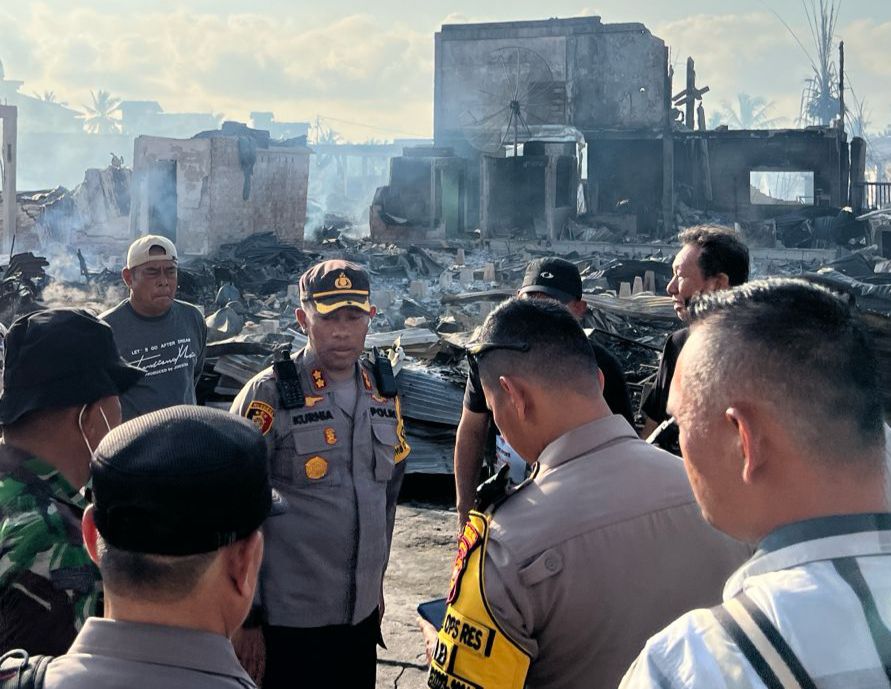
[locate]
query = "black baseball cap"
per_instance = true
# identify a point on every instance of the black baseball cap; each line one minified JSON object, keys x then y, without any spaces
{"x":556,"y":277}
{"x":335,"y":284}
{"x":59,"y":358}
{"x":182,"y":481}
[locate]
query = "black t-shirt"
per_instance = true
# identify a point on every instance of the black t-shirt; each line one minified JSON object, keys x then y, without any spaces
{"x":615,"y":389}
{"x":654,"y":406}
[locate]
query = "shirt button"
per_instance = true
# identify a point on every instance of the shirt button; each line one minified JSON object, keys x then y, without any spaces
{"x":552,"y":564}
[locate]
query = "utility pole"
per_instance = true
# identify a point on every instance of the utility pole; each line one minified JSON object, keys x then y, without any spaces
{"x":841,"y":84}
{"x":9,"y":122}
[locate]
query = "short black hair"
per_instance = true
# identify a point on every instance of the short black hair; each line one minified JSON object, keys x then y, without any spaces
{"x":151,"y":578}
{"x":559,"y":352}
{"x":801,"y":348}
{"x":722,"y":251}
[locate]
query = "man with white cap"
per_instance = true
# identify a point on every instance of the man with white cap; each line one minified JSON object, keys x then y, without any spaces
{"x":156,"y":332}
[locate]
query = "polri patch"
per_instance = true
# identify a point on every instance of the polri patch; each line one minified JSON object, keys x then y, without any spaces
{"x":330,"y":436}
{"x":261,"y":414}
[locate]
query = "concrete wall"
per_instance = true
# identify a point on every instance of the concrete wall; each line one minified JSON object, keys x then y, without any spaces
{"x":598,"y":68}
{"x":733,"y":154}
{"x":279,"y":190}
{"x":210,"y":207}
{"x":193,"y":169}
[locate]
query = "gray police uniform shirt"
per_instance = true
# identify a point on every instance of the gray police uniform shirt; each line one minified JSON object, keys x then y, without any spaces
{"x":340,"y":471}
{"x":602,"y":547}
{"x":170,"y":348}
{"x":113,"y":654}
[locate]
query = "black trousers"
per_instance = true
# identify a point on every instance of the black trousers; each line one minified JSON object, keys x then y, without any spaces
{"x":336,"y":656}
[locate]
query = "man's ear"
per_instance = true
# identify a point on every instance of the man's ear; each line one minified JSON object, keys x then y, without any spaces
{"x":373,"y":312}
{"x":301,"y":317}
{"x":751,"y":447}
{"x":720,"y":281}
{"x":127,"y":276}
{"x":517,"y":395}
{"x":577,"y":308}
{"x":244,"y":561}
{"x":90,"y":533}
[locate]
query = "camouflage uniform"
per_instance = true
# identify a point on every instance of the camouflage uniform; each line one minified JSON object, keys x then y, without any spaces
{"x":48,"y":584}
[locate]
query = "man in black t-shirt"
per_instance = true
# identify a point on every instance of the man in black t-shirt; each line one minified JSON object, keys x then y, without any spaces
{"x":711,"y":258}
{"x":548,"y":278}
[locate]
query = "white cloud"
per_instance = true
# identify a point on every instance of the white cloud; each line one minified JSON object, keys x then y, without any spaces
{"x":353,"y":68}
{"x":753,"y":53}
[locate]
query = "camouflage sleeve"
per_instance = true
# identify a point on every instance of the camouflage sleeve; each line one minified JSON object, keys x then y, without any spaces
{"x":48,"y":585}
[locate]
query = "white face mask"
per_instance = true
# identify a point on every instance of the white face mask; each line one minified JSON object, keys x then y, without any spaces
{"x":80,"y":425}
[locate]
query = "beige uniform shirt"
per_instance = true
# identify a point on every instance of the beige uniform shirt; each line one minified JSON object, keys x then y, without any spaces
{"x":340,"y":471}
{"x":109,"y":654}
{"x":601,"y":548}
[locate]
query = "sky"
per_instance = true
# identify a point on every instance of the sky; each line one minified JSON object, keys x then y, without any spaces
{"x":366,"y":68}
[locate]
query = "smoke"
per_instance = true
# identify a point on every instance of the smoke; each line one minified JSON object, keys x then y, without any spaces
{"x":95,"y":298}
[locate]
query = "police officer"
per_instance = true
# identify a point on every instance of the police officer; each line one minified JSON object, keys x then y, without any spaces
{"x":61,"y":383}
{"x":179,"y":496}
{"x":559,"y":583}
{"x":337,"y":448}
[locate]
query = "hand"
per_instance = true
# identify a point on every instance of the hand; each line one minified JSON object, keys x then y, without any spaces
{"x":250,"y":648}
{"x":429,"y":632}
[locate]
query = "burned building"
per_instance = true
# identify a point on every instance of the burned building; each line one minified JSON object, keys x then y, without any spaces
{"x":219,"y":187}
{"x":565,"y":117}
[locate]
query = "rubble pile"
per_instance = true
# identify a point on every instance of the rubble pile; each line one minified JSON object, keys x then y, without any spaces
{"x":429,"y":301}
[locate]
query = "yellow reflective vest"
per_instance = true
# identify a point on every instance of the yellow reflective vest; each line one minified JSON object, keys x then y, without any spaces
{"x":472,"y":650}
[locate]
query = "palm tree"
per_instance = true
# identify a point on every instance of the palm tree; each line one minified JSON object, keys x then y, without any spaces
{"x":749,"y":112}
{"x":819,"y":100}
{"x":98,"y":117}
{"x":48,"y":97}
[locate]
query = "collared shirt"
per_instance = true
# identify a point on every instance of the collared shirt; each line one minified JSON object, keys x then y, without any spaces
{"x":604,"y":545}
{"x":800,"y":578}
{"x":48,"y":585}
{"x":340,"y":471}
{"x":113,"y":654}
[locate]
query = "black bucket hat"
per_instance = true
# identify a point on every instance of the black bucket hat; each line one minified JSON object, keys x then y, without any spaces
{"x":60,"y":358}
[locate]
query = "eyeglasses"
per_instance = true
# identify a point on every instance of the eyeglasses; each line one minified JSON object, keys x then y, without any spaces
{"x":477,"y":350}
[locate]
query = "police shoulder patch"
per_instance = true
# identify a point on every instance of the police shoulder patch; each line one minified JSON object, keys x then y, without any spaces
{"x":262,"y":415}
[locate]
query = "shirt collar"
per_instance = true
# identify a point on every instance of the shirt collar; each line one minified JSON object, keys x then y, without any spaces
{"x":160,"y":645}
{"x":585,"y":439}
{"x":811,"y":540}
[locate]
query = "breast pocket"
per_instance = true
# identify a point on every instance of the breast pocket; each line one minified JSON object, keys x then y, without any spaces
{"x":385,"y":441}
{"x":311,"y":460}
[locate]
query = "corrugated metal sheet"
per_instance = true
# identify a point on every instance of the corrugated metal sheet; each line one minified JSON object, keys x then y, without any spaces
{"x":431,"y":405}
{"x":428,"y":397}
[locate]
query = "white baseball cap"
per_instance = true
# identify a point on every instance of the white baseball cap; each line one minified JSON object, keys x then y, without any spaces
{"x":140,"y":250}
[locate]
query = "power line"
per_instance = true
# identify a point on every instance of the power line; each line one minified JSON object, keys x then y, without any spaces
{"x":369,"y":126}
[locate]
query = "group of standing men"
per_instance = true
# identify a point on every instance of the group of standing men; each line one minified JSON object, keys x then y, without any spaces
{"x":559,"y":581}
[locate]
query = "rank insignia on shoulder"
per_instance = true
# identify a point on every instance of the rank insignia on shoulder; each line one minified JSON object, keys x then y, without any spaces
{"x":318,"y":379}
{"x":316,"y":467}
{"x":312,"y":401}
{"x":261,"y":414}
{"x":366,"y":380}
{"x":330,"y":436}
